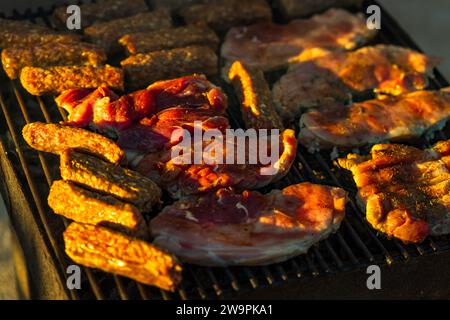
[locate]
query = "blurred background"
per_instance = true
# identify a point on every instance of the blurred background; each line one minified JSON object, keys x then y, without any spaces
{"x":427,"y":22}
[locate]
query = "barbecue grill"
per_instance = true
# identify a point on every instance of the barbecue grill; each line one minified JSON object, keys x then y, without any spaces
{"x":334,"y":268}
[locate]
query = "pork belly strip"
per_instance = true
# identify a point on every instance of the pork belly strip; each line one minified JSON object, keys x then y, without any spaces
{"x":101,"y":11}
{"x":51,"y":54}
{"x":295,"y":8}
{"x":84,"y":206}
{"x":170,"y":38}
{"x":144,"y":68}
{"x":111,"y":251}
{"x":222,"y":15}
{"x":124,"y":184}
{"x":336,"y":76}
{"x":271,"y":46}
{"x":107,"y":34}
{"x":257,"y":108}
{"x":39,"y":81}
{"x":226,"y":228}
{"x":55,"y":138}
{"x":405,"y":191}
{"x":394,"y":118}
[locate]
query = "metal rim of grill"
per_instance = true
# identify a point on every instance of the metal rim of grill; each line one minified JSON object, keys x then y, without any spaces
{"x":354,"y":246}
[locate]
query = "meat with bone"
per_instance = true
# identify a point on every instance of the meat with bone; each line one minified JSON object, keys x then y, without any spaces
{"x":270,"y":46}
{"x":209,"y":173}
{"x":111,"y":251}
{"x":124,"y":184}
{"x":107,"y":34}
{"x":170,"y":38}
{"x":84,"y":206}
{"x":336,"y":76}
{"x":405,"y":191}
{"x":144,"y":68}
{"x":224,"y":14}
{"x":40,"y":81}
{"x":50,"y":54}
{"x":394,"y":118}
{"x":257,"y":108}
{"x":295,"y":8}
{"x":55,"y":138}
{"x":226,"y":228}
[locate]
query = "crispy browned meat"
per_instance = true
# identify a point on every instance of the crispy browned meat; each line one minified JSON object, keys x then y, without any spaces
{"x":85,"y":206}
{"x":107,"y":34}
{"x":145,"y":68}
{"x":107,"y":178}
{"x":101,"y":11}
{"x":405,"y":191}
{"x":108,"y":250}
{"x":40,"y":81}
{"x":254,"y":94}
{"x":55,"y":138}
{"x":171,"y":38}
{"x":296,"y":8}
{"x":394,"y":118}
{"x":222,"y":15}
{"x":51,"y":54}
{"x":174,"y":5}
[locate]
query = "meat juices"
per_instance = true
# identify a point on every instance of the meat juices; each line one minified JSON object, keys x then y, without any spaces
{"x":226,"y":228}
{"x":111,"y":251}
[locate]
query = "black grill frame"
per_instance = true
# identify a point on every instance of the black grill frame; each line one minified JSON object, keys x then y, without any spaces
{"x":327,"y":270}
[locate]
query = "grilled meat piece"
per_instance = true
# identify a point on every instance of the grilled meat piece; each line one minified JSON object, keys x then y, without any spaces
{"x":108,"y":250}
{"x":226,"y":228}
{"x":55,"y":138}
{"x":50,"y":54}
{"x":295,"y":8}
{"x":144,"y":68}
{"x":222,"y":15}
{"x":175,"y":5}
{"x":171,"y":38}
{"x":39,"y":81}
{"x":99,"y":12}
{"x":103,"y":110}
{"x":124,"y":184}
{"x":107,"y":34}
{"x":336,"y":76}
{"x":394,"y":118}
{"x":405,"y":191}
{"x":180,"y":178}
{"x":85,"y":206}
{"x":270,"y":46}
{"x":257,"y":108}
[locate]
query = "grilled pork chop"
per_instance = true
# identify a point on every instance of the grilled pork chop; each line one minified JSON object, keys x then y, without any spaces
{"x":336,"y":76}
{"x":270,"y":46}
{"x":405,"y":191}
{"x":248,"y":228}
{"x":394,"y":118}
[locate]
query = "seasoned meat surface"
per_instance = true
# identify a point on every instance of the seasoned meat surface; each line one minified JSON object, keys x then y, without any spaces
{"x":296,"y":8}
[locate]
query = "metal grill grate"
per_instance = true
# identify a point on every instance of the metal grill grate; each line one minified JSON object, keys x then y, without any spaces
{"x":354,"y":246}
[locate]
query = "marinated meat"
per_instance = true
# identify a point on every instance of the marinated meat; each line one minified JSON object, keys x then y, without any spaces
{"x":394,"y":118}
{"x":181,"y":178}
{"x":405,"y":191}
{"x":257,"y":108}
{"x":85,"y":206}
{"x":335,"y":77}
{"x":108,"y":250}
{"x":226,"y":228}
{"x":171,"y":38}
{"x":222,"y":15}
{"x":55,"y":138}
{"x":40,"y":81}
{"x":103,"y":11}
{"x":50,"y":54}
{"x":295,"y":8}
{"x":143,"y":69}
{"x":107,"y":34}
{"x":270,"y":46}
{"x":124,"y":184}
